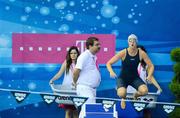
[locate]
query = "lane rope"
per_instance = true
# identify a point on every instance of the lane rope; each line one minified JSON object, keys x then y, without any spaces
{"x":100,"y":98}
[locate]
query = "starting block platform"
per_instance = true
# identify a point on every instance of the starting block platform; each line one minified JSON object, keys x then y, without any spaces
{"x":149,"y":98}
{"x":65,"y":92}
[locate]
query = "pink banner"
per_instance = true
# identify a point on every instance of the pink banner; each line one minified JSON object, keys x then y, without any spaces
{"x":52,"y":48}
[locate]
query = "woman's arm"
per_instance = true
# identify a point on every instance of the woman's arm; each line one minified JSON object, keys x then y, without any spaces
{"x":113,"y":60}
{"x":149,"y":64}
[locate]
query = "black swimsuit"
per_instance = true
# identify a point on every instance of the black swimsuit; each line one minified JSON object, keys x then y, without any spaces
{"x":129,"y":74}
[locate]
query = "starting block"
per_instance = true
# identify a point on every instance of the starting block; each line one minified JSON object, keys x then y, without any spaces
{"x":150,"y":97}
{"x":97,"y":110}
{"x":65,"y":92}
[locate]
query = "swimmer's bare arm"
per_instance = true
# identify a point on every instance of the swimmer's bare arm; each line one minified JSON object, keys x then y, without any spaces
{"x":149,"y":64}
{"x":119,"y":56}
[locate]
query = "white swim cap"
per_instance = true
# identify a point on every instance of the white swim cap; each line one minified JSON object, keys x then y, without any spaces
{"x":133,"y":36}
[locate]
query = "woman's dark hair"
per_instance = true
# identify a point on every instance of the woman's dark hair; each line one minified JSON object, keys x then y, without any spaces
{"x":142,"y":61}
{"x":68,"y":57}
{"x":90,"y":41}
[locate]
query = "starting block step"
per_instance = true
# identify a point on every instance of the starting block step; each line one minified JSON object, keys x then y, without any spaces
{"x":99,"y":116}
{"x":98,"y":110}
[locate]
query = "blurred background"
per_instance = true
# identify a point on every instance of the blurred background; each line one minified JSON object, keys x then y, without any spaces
{"x":155,"y":22}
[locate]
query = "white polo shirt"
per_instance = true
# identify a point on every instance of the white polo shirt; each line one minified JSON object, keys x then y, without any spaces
{"x":89,"y":74}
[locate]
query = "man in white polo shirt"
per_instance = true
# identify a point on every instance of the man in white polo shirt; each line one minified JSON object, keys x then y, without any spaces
{"x":86,"y":73}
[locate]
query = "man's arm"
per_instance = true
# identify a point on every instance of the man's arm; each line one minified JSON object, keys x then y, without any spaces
{"x":76,"y":75}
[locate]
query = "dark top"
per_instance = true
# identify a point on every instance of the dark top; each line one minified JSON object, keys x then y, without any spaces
{"x":129,"y":67}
